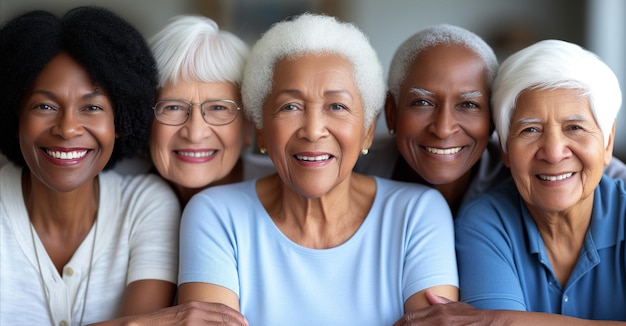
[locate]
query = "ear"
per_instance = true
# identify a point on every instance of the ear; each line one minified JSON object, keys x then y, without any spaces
{"x":259,"y":138}
{"x":505,"y":156}
{"x":248,"y":132}
{"x":369,"y":134}
{"x":608,"y":150}
{"x":390,"y":111}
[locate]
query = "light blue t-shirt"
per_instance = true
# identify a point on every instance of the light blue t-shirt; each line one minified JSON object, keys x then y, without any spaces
{"x":404,"y":245}
{"x":503,"y":263}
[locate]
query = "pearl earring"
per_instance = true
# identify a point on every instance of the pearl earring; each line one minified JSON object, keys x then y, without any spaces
{"x":364,"y":151}
{"x":263,"y":150}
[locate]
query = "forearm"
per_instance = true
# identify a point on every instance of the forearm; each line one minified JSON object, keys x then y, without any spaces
{"x":508,"y":317}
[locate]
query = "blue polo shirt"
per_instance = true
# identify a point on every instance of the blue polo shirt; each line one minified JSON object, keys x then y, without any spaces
{"x":503,"y":263}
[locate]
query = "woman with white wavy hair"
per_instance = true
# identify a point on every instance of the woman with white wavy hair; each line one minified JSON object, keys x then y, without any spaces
{"x":316,"y":243}
{"x":547,"y":247}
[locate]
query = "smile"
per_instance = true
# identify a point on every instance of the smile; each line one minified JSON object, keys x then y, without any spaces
{"x":313,"y":158}
{"x":443,"y":151}
{"x":555,"y":177}
{"x":195,"y":154}
{"x":67,"y":155}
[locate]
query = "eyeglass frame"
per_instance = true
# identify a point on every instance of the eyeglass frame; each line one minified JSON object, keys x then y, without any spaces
{"x":190,"y":106}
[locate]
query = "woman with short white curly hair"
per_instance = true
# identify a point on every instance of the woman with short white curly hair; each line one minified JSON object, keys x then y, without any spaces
{"x":316,"y":243}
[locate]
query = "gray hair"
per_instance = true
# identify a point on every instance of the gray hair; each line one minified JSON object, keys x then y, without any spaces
{"x":433,"y":36}
{"x":311,"y":33}
{"x":192,"y":48}
{"x":552,"y":64}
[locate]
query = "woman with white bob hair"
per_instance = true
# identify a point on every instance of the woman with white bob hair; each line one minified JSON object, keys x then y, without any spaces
{"x":548,"y":246}
{"x":316,"y":243}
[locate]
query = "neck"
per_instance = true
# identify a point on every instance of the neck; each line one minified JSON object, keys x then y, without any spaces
{"x":184,"y":194}
{"x":323,"y":222}
{"x":452,"y":192}
{"x":60,"y":212}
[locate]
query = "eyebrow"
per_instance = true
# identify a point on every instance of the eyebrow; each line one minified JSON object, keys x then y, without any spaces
{"x":326,"y":93}
{"x":463,"y":96}
{"x":421,"y":91}
{"x":470,"y":95}
{"x":53,"y":96}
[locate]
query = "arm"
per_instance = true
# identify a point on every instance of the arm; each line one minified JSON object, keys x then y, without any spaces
{"x":420,"y":300}
{"x":146,"y":296}
{"x":446,"y":312}
{"x":207,"y":293}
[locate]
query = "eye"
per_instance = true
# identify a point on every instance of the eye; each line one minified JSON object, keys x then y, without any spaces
{"x":420,"y":102}
{"x":575,"y":127}
{"x":470,"y":105}
{"x":530,"y":130}
{"x":217,"y":108}
{"x":289,"y":107}
{"x":92,"y":108}
{"x":173,"y":107}
{"x":337,"y":107}
{"x":44,"y":107}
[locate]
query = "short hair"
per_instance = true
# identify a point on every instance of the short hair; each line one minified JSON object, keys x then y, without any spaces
{"x":433,"y":36}
{"x":553,"y":64}
{"x":192,"y":48}
{"x":319,"y":34}
{"x":114,"y":54}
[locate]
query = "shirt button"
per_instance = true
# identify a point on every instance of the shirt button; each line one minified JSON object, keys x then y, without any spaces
{"x":63,"y":323}
{"x":68,"y":271}
{"x":565,"y":298}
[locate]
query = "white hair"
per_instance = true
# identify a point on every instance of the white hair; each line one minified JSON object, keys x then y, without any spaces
{"x":552,"y":64}
{"x":433,"y":36}
{"x":311,"y":33}
{"x":192,"y":48}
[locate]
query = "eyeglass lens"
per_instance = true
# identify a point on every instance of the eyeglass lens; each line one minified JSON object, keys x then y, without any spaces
{"x":214,"y":112}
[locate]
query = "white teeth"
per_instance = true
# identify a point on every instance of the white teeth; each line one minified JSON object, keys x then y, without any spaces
{"x":196,"y":154}
{"x":555,"y":177}
{"x":441,"y":151}
{"x":313,"y":158}
{"x":66,"y":155}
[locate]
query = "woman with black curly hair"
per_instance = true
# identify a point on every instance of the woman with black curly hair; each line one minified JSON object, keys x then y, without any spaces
{"x":80,"y":244}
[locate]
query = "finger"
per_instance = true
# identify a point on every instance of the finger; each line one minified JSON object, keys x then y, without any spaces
{"x":436,"y":299}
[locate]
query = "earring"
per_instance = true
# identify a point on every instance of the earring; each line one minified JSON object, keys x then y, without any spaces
{"x":364,"y":151}
{"x":263,"y":150}
{"x":392,"y":132}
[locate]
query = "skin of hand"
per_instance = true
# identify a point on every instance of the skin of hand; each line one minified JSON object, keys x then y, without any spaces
{"x":443,"y":311}
{"x":446,"y":312}
{"x":189,"y":313}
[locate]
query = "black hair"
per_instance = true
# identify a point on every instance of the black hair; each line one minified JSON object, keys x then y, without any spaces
{"x":113,"y":52}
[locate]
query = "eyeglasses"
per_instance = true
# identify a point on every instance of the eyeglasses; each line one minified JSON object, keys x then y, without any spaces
{"x":214,"y":112}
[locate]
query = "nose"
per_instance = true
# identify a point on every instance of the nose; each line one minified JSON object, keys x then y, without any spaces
{"x":444,"y":123}
{"x":313,"y":125}
{"x":553,"y":146}
{"x":196,"y":129}
{"x":68,"y":124}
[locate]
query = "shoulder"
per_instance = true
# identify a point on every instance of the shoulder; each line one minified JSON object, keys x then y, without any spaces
{"x":501,"y":201}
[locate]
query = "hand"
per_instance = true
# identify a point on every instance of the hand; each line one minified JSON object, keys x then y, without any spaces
{"x":189,"y":313}
{"x":443,"y":312}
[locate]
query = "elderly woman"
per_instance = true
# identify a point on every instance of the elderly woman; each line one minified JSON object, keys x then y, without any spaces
{"x":316,"y":243}
{"x":199,"y":67}
{"x":552,"y":239}
{"x":438,"y":113}
{"x":80,"y":244}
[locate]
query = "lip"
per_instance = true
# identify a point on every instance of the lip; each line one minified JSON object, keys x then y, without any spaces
{"x":443,"y":153}
{"x":555,"y":178}
{"x":202,"y":155}
{"x":313,"y":159}
{"x":65,"y":156}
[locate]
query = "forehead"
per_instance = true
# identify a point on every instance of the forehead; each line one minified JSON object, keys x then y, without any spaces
{"x":450,"y":63}
{"x":560,"y":103}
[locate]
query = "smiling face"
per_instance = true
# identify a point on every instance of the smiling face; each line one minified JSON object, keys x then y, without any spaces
{"x":313,"y":123}
{"x":556,"y":150}
{"x":196,"y":154}
{"x":442,"y":116}
{"x":66,"y":126}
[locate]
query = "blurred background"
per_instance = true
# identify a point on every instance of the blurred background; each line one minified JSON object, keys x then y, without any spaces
{"x":507,"y":25}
